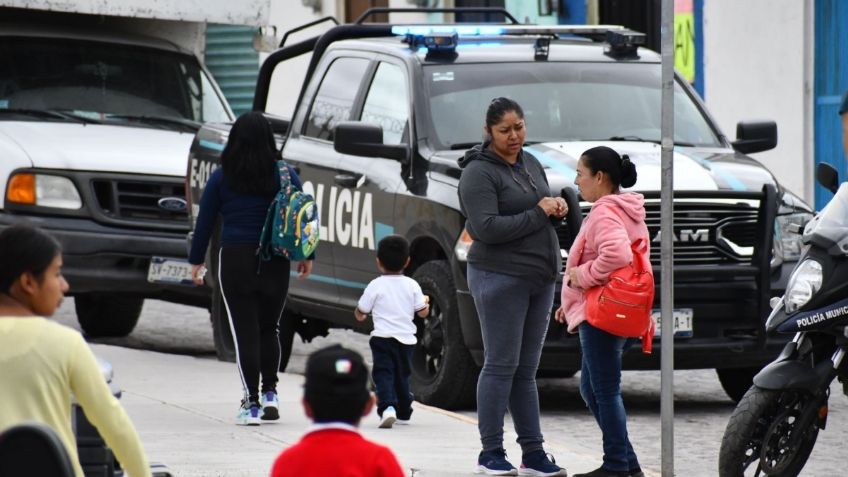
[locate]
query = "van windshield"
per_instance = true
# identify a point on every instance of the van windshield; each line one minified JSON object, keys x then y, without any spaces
{"x":106,"y":82}
{"x":561,"y":101}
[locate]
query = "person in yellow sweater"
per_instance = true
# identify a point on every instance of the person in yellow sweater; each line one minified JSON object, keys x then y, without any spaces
{"x":43,"y":362}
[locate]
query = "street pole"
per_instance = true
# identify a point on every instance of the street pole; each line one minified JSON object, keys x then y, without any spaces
{"x":666,"y":244}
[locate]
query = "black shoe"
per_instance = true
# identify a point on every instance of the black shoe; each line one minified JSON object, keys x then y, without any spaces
{"x":601,"y":472}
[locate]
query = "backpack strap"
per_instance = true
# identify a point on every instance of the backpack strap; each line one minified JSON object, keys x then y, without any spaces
{"x":285,"y":177}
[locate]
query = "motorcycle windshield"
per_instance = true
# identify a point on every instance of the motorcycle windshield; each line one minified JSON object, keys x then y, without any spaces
{"x":829,"y":229}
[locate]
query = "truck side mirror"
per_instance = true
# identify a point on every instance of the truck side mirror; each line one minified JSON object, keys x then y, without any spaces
{"x":362,"y":139}
{"x":755,"y":136}
{"x":827,"y":176}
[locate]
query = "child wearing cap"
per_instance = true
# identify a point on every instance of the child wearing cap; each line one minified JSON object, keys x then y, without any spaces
{"x":392,"y":299}
{"x":335,"y":397}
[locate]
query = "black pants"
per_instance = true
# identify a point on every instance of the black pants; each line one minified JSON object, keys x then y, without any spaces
{"x":255,"y":296}
{"x":391,"y":375}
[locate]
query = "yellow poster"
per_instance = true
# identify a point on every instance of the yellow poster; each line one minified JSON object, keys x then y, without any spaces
{"x":684,"y":39}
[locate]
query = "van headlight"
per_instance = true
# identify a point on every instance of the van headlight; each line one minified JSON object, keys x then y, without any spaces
{"x":43,"y":190}
{"x":805,"y":281}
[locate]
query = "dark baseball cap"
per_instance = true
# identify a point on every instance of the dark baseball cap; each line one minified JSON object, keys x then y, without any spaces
{"x":337,"y":372}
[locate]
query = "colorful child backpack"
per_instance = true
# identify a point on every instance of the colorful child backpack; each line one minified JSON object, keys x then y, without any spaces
{"x":291,"y":224}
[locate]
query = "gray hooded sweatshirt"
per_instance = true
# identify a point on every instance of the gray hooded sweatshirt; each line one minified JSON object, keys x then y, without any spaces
{"x":512,"y":235}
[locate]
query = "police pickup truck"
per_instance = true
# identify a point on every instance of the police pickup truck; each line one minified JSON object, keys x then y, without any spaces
{"x":386,"y":111}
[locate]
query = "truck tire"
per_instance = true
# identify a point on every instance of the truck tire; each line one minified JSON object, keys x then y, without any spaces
{"x":443,"y":372}
{"x":736,"y":381}
{"x":107,"y":315}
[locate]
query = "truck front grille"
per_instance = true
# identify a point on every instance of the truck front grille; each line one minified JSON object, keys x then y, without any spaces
{"x":144,"y":202}
{"x":705,"y":233}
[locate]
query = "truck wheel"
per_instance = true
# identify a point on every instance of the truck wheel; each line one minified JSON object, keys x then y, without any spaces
{"x":107,"y":315}
{"x":736,"y":381}
{"x":221,"y":332}
{"x":443,"y":372}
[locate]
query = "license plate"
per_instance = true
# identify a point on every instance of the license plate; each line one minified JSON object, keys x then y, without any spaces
{"x":169,"y":270}
{"x":683,"y":318}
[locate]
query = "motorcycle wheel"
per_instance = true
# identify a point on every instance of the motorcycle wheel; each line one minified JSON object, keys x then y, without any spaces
{"x":758,"y":432}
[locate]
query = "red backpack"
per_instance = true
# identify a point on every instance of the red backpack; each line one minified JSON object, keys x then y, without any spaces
{"x":623,"y":305}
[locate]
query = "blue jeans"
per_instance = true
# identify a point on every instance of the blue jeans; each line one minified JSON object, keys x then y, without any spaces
{"x":600,"y":386}
{"x":514,"y":316}
{"x":391,"y":372}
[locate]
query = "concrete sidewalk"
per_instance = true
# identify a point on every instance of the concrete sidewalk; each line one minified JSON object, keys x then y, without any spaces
{"x":184,"y":409}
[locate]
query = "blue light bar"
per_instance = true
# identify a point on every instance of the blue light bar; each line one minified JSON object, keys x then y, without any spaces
{"x":467,"y":30}
{"x":461,"y":30}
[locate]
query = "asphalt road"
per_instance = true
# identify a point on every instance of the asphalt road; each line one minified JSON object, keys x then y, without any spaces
{"x":701,"y":407}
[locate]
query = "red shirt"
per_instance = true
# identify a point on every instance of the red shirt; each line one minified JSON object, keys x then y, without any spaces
{"x":336,"y":450}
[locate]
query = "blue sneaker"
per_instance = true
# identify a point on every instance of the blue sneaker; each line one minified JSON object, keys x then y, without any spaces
{"x":270,"y":406}
{"x":494,"y":462}
{"x":248,"y":414}
{"x":540,"y":464}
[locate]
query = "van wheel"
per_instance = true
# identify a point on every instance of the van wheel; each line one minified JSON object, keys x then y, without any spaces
{"x":443,"y":372}
{"x":737,"y":381}
{"x":222,"y":334}
{"x":107,"y":315}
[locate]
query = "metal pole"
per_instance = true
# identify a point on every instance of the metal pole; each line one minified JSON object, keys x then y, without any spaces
{"x":666,"y":243}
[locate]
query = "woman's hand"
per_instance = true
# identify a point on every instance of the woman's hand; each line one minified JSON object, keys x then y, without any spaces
{"x":562,"y":207}
{"x":554,"y":206}
{"x":549,"y":205}
{"x":304,"y":268}
{"x":560,"y":315}
{"x":573,"y":280}
{"x":197,"y":273}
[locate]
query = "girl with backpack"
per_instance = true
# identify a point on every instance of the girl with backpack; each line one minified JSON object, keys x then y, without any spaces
{"x":254,"y":291}
{"x":602,"y":246}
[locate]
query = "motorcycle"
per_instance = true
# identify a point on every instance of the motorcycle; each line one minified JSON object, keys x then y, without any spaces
{"x":774,"y":427}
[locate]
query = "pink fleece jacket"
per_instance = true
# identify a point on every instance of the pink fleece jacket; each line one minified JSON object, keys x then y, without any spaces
{"x":601,"y":247}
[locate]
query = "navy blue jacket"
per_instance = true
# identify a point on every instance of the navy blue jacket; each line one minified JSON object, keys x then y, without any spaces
{"x":243,"y":215}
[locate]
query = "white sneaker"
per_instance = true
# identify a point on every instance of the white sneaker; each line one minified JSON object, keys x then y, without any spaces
{"x":270,"y":405}
{"x":389,"y":418}
{"x":248,"y":414}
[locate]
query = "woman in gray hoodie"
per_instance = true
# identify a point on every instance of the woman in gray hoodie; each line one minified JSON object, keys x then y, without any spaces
{"x":512,"y":268}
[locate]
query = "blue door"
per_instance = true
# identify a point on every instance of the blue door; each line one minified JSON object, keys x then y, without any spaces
{"x":831,"y":83}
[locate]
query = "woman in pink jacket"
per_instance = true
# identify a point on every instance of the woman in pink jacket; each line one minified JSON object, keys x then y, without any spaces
{"x":603,"y":245}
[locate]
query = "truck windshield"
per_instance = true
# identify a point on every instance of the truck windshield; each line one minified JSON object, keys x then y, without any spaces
{"x":106,"y":82}
{"x":561,"y":102}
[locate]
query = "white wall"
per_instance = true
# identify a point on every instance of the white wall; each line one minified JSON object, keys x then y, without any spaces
{"x":754,"y":69}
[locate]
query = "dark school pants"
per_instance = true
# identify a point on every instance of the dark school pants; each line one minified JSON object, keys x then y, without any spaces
{"x":391,"y":370}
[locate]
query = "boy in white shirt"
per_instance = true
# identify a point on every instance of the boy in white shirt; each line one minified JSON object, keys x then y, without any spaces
{"x":392,"y":299}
